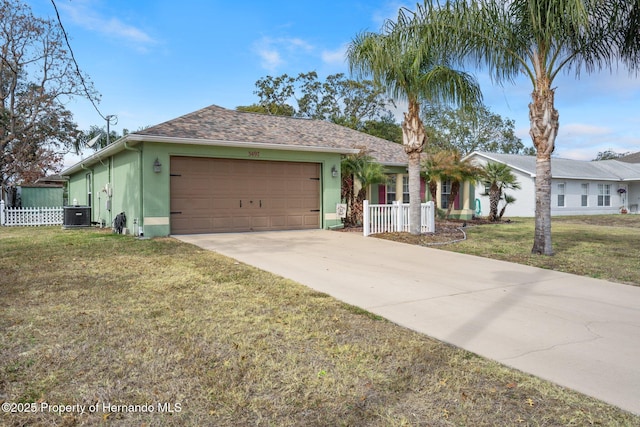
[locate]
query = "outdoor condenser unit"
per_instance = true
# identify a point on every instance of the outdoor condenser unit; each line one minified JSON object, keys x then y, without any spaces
{"x":77,"y":216}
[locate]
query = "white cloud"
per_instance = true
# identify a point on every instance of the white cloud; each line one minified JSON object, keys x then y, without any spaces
{"x":581,"y":141}
{"x":278,"y":52}
{"x":117,"y":28}
{"x":271,"y":59}
{"x":295,"y":44}
{"x":81,"y":13}
{"x":390,"y":11}
{"x":335,"y":57}
{"x":582,"y":130}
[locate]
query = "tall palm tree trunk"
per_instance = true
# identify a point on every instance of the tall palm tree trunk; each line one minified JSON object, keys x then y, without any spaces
{"x":494,"y":200}
{"x":413,"y":139}
{"x":455,"y":189}
{"x":433,"y":189}
{"x":544,"y":128}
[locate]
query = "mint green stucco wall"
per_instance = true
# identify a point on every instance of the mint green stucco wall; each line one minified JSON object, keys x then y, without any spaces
{"x":145,"y":195}
{"x":113,"y":183}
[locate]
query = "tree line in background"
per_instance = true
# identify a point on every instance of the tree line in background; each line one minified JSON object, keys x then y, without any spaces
{"x":363,"y":105}
{"x":359,"y":105}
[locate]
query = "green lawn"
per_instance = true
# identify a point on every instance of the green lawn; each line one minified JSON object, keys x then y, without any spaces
{"x":600,"y":246}
{"x":104,"y":321}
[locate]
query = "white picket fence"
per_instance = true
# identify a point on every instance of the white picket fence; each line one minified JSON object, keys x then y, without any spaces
{"x":15,"y":217}
{"x":395,"y":218}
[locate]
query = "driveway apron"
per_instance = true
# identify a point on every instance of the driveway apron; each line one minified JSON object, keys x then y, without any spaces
{"x":575,"y":331}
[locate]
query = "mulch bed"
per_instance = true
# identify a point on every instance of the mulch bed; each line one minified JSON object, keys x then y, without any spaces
{"x":447,"y":231}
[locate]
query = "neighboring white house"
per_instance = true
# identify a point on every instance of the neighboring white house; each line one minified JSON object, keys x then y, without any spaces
{"x":577,"y":187}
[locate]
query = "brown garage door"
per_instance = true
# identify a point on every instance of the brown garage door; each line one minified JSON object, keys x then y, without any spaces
{"x":226,"y":195}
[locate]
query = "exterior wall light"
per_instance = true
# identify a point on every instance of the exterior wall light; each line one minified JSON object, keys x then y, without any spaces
{"x":334,"y":171}
{"x":157,"y":166}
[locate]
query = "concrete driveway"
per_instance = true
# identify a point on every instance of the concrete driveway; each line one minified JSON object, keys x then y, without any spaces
{"x":578,"y":332}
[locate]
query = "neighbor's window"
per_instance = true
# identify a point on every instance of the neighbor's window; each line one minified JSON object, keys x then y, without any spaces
{"x":405,"y":189}
{"x":391,"y":189}
{"x":446,"y":190}
{"x":560,"y":195}
{"x":604,"y":194}
{"x":585,"y":195}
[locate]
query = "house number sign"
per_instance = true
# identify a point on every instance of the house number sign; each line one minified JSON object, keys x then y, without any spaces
{"x":254,"y":154}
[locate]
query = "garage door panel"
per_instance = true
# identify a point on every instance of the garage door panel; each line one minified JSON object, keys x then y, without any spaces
{"x":310,"y":204}
{"x":218,"y":195}
{"x":295,"y":220}
{"x":278,"y":221}
{"x":312,"y":221}
{"x":221,"y":223}
{"x":226,"y":203}
{"x":294,"y":204}
{"x":309,"y":185}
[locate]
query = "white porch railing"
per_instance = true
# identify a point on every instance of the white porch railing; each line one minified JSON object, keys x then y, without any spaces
{"x":15,"y":217}
{"x":395,"y":218}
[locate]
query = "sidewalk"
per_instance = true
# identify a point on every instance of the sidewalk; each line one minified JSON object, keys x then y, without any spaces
{"x":578,"y":332}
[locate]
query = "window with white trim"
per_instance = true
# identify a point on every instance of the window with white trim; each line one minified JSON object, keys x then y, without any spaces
{"x":405,"y":189}
{"x":446,"y":190}
{"x":584,"y":200}
{"x":561,"y":188}
{"x":391,"y":189}
{"x":604,"y":194}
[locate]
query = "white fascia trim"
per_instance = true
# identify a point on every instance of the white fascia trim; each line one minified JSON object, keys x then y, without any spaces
{"x":220,"y":143}
{"x":524,"y":171}
{"x":585,"y":178}
{"x":119,"y":146}
{"x":96,"y":157}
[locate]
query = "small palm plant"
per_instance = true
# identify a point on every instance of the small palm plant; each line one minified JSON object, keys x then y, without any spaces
{"x":500,"y":178}
{"x":359,"y":169}
{"x":507,"y":201}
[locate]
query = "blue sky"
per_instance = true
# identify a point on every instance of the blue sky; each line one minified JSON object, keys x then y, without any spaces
{"x":154,"y":60}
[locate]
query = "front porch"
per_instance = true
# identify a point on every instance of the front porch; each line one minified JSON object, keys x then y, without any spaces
{"x":397,"y":190}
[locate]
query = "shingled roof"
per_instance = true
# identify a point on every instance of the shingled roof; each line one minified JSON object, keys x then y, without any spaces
{"x":215,"y":124}
{"x":609,"y":170}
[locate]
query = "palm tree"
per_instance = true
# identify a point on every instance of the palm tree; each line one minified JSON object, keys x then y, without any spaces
{"x":414,"y":72}
{"x":363,"y":169}
{"x":435,"y":167}
{"x":499,"y":177}
{"x":449,"y":166}
{"x":537,"y":38}
{"x":507,"y":201}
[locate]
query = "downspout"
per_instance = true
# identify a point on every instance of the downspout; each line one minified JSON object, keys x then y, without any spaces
{"x":110,"y":191}
{"x":140,"y":219}
{"x":91,"y":205}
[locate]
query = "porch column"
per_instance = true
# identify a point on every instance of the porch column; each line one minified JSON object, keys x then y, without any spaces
{"x":464,"y":194}
{"x":399,"y":187}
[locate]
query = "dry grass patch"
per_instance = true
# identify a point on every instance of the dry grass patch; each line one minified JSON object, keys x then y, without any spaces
{"x":91,"y":318}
